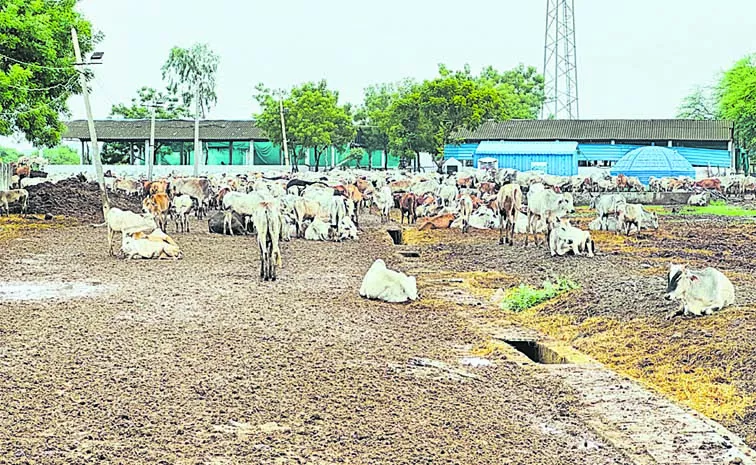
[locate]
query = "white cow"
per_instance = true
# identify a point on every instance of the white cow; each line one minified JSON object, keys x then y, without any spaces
{"x":182,"y":206}
{"x":317,"y":230}
{"x":388,"y":285}
{"x":384,"y":201}
{"x":154,"y":245}
{"x":565,"y":237}
{"x":546,"y":205}
{"x":126,"y":222}
{"x":699,"y":292}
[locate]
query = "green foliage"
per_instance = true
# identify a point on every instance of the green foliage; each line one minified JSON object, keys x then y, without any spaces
{"x":314,"y":119}
{"x":9,"y":155}
{"x":37,"y":75}
{"x":718,"y":208}
{"x":524,"y":297}
{"x":373,"y":118}
{"x":737,"y":100}
{"x":61,"y":155}
{"x":189,"y":69}
{"x":699,"y":105}
{"x":140,"y":109}
{"x":521,"y":90}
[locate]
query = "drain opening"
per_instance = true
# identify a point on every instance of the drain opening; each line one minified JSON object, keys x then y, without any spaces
{"x":538,"y":352}
{"x":396,"y":236}
{"x":410,"y":254}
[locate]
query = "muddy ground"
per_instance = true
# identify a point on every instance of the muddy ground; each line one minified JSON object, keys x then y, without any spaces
{"x":197,"y":361}
{"x":74,"y":198}
{"x":618,"y":315}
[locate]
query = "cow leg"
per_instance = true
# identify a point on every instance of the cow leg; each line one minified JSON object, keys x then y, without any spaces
{"x":501,"y":228}
{"x":110,"y":240}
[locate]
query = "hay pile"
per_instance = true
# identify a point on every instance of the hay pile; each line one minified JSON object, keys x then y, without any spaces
{"x":75,"y":198}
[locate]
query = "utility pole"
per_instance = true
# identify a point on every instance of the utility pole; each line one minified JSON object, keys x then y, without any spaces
{"x":92,"y":134}
{"x":197,"y":145}
{"x":151,"y":156}
{"x":283,"y":129}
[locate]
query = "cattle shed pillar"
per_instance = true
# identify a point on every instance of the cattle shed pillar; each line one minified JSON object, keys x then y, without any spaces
{"x":251,"y":153}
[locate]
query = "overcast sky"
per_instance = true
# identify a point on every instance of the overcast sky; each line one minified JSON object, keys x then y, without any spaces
{"x":635,"y":59}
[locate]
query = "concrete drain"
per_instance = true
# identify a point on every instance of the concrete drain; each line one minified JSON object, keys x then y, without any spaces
{"x":396,"y":236}
{"x":410,"y":254}
{"x":538,"y":352}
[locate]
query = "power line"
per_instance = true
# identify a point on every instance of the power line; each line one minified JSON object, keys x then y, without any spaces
{"x":41,"y":89}
{"x":56,"y":68}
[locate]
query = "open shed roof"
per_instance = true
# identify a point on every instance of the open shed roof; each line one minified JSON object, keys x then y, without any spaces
{"x":125,"y":130}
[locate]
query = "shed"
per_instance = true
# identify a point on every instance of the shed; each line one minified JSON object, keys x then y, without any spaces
{"x":556,"y":158}
{"x":452,"y":165}
{"x":655,"y":161}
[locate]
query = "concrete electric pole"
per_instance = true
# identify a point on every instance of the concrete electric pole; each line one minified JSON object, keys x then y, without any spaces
{"x":92,"y":134}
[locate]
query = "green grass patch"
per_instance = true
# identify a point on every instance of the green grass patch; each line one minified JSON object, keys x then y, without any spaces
{"x":718,"y":208}
{"x":524,"y":297}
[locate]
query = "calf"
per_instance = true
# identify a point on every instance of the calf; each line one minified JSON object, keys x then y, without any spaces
{"x":157,"y":205}
{"x":20,"y":196}
{"x":608,"y":205}
{"x":634,"y":215}
{"x":318,"y":230}
{"x":699,"y":292}
{"x":711,"y":183}
{"x":154,"y":245}
{"x":465,"y":211}
{"x":508,"y":202}
{"x":565,"y":237}
{"x":383,"y":200}
{"x":182,"y":205}
{"x":408,"y":206}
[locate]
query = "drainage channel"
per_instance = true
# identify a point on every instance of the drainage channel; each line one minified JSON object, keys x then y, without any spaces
{"x":396,"y":236}
{"x":538,"y":353}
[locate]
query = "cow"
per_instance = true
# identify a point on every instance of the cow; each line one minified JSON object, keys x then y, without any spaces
{"x":336,"y":213}
{"x":182,"y":205}
{"x":196,"y":188}
{"x":465,"y":211}
{"x":565,"y":238}
{"x":126,"y":222}
{"x":446,"y":193}
{"x":318,"y":230}
{"x":634,"y":183}
{"x":158,"y":205}
{"x":634,"y":215}
{"x":508,"y":202}
{"x":243,"y":204}
{"x":267,"y":221}
{"x":699,"y":200}
{"x":157,"y":187}
{"x":128,"y":187}
{"x":20,"y":196}
{"x":305,"y":210}
{"x":699,"y":292}
{"x":388,"y":285}
{"x":711,"y":183}
{"x":548,"y":206}
{"x":408,"y":206}
{"x":436,"y":222}
{"x":607,"y":206}
{"x":218,"y":221}
{"x":383,"y":201}
{"x":154,"y":245}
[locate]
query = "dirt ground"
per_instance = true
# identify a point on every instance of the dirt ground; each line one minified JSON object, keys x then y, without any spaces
{"x":197,"y":361}
{"x":618,"y":314}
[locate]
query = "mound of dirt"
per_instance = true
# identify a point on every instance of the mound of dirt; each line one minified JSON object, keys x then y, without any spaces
{"x":75,"y":198}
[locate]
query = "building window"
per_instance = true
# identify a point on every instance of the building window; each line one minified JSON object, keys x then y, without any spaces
{"x":468,"y":163}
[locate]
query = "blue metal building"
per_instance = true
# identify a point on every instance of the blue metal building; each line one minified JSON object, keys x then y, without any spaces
{"x":556,"y":158}
{"x":653,"y":161}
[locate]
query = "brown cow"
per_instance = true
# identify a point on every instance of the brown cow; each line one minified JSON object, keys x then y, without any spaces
{"x":711,"y":183}
{"x":621,"y":182}
{"x":509,"y":202}
{"x":468,"y":182}
{"x":157,"y":205}
{"x":436,"y":222}
{"x":487,"y":188}
{"x":400,"y":186}
{"x":408,"y":206}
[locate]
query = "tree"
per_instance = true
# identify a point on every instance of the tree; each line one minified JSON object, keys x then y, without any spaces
{"x":409,"y":131}
{"x":61,"y":155}
{"x":373,"y":118}
{"x":521,"y":90}
{"x":191,"y":72}
{"x":9,"y":155}
{"x":37,"y":75}
{"x":172,"y":108}
{"x":314,"y":119}
{"x":737,"y":100}
{"x":140,"y":108}
{"x":699,"y":105}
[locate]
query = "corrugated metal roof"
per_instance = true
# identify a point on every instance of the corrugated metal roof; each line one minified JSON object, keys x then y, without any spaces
{"x":526,"y":148}
{"x":604,"y":130}
{"x":115,"y":130}
{"x":653,"y":161}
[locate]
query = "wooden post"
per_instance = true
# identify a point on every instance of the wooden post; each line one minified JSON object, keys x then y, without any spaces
{"x":197,"y":145}
{"x":230,"y":152}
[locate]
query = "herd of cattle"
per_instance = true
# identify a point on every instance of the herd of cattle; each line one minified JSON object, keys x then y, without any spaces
{"x":318,"y":206}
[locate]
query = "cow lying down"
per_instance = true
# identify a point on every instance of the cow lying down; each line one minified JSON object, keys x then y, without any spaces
{"x":157,"y":244}
{"x":565,"y":238}
{"x":699,"y":292}
{"x":388,"y":285}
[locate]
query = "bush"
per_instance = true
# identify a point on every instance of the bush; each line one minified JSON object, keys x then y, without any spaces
{"x":524,"y":297}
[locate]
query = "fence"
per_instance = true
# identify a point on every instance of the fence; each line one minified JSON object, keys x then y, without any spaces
{"x":5,"y":176}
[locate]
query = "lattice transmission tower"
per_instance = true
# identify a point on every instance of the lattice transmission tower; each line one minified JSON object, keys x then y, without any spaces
{"x":559,"y":61}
